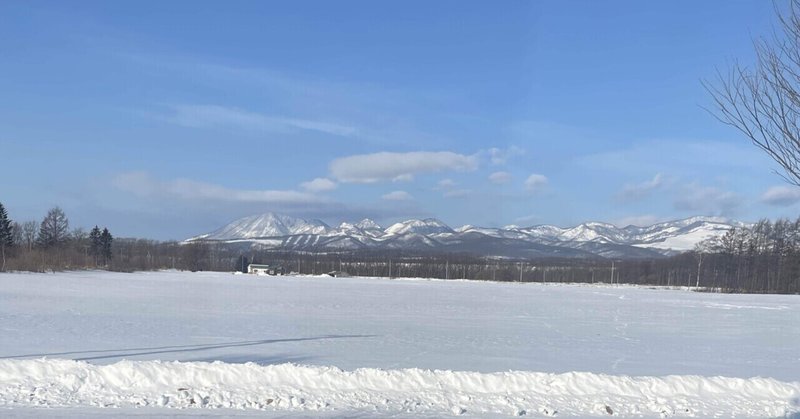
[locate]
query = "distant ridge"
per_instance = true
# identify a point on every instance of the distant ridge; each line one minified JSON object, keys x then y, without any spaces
{"x":590,"y":239}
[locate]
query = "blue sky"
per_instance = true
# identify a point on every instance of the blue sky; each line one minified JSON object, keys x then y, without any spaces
{"x":168,"y":119}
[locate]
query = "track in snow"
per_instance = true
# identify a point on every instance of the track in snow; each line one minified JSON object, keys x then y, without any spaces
{"x":590,"y":346}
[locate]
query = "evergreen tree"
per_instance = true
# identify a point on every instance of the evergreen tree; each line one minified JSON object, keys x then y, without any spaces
{"x":54,"y":229}
{"x":6,"y":235}
{"x":105,"y":245}
{"x":95,"y":243}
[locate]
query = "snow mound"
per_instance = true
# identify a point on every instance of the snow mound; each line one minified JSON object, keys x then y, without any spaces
{"x":294,"y":388}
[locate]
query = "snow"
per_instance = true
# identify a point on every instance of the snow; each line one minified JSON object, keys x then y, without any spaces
{"x":424,"y":227}
{"x":368,"y":224}
{"x":266,"y":225}
{"x":683,"y":242}
{"x":267,"y":229}
{"x":367,"y":345}
{"x":287,"y":387}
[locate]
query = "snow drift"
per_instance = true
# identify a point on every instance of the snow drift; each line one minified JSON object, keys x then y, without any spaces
{"x":294,"y":388}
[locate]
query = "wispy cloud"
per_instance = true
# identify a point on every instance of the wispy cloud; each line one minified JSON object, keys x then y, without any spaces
{"x":535,"y":182}
{"x":678,"y":155}
{"x":213,"y":116}
{"x":500,"y":156}
{"x":500,"y":177}
{"x":707,"y":199}
{"x":371,"y":112}
{"x":445,"y":184}
{"x":319,"y":185}
{"x":397,"y":196}
{"x":217,"y":202}
{"x":386,"y":166}
{"x":637,"y":191}
{"x":782,"y":196}
{"x":144,"y":185}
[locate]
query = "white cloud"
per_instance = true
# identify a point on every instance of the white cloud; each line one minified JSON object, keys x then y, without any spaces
{"x":210,"y":116}
{"x":446,"y":183}
{"x":385,"y":166}
{"x":500,"y":177}
{"x":500,"y":156}
{"x":783,"y":196}
{"x":636,"y":191}
{"x":397,"y":196}
{"x":406,"y":177}
{"x":319,"y":185}
{"x":706,"y":199}
{"x":535,"y":182}
{"x":144,"y":185}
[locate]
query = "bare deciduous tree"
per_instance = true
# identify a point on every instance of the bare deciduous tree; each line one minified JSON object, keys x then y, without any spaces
{"x":763,"y":102}
{"x":29,"y":229}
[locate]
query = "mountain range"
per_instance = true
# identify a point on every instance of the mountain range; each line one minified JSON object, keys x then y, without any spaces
{"x":587,"y":240}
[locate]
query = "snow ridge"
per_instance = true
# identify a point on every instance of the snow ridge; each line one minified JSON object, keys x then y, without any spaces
{"x":294,"y":388}
{"x":585,"y":240}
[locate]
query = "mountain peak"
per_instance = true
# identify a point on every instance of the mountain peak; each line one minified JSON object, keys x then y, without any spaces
{"x":424,"y":227}
{"x":268,"y":224}
{"x":605,"y":239}
{"x":367,"y":224}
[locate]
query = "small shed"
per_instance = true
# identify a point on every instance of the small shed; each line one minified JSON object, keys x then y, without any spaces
{"x":255,"y":268}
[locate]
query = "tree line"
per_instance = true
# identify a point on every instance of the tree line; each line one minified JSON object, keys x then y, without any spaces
{"x":762,"y":258}
{"x":49,"y":244}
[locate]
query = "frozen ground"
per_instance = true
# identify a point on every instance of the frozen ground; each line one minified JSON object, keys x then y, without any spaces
{"x":575,"y":349}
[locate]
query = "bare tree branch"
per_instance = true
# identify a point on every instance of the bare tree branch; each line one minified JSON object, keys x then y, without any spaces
{"x":763,"y":102}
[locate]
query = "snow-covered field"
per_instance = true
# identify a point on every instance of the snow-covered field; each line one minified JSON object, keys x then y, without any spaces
{"x":362,"y":346}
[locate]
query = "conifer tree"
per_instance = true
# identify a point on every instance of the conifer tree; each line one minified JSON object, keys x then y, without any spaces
{"x":105,"y":245}
{"x":6,"y":235}
{"x":95,"y":243}
{"x":54,"y":228}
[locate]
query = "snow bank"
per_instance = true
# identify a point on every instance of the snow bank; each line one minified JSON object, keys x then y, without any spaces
{"x":294,"y":388}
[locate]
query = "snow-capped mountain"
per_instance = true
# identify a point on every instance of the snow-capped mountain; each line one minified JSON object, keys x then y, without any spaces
{"x":428,"y":226}
{"x":591,"y":239}
{"x":267,"y":225}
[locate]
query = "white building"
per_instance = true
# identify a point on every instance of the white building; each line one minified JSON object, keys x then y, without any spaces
{"x":255,"y":268}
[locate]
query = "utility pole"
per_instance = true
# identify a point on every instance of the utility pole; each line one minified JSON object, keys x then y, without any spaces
{"x":520,"y":272}
{"x":390,"y":268}
{"x":447,"y":269}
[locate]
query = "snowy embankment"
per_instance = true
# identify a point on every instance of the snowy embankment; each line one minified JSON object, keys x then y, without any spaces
{"x":293,"y":388}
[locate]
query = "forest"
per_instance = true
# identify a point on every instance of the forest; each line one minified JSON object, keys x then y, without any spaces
{"x":762,"y":258}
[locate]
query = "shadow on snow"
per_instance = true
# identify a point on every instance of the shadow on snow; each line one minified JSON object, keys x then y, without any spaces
{"x":157,"y":350}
